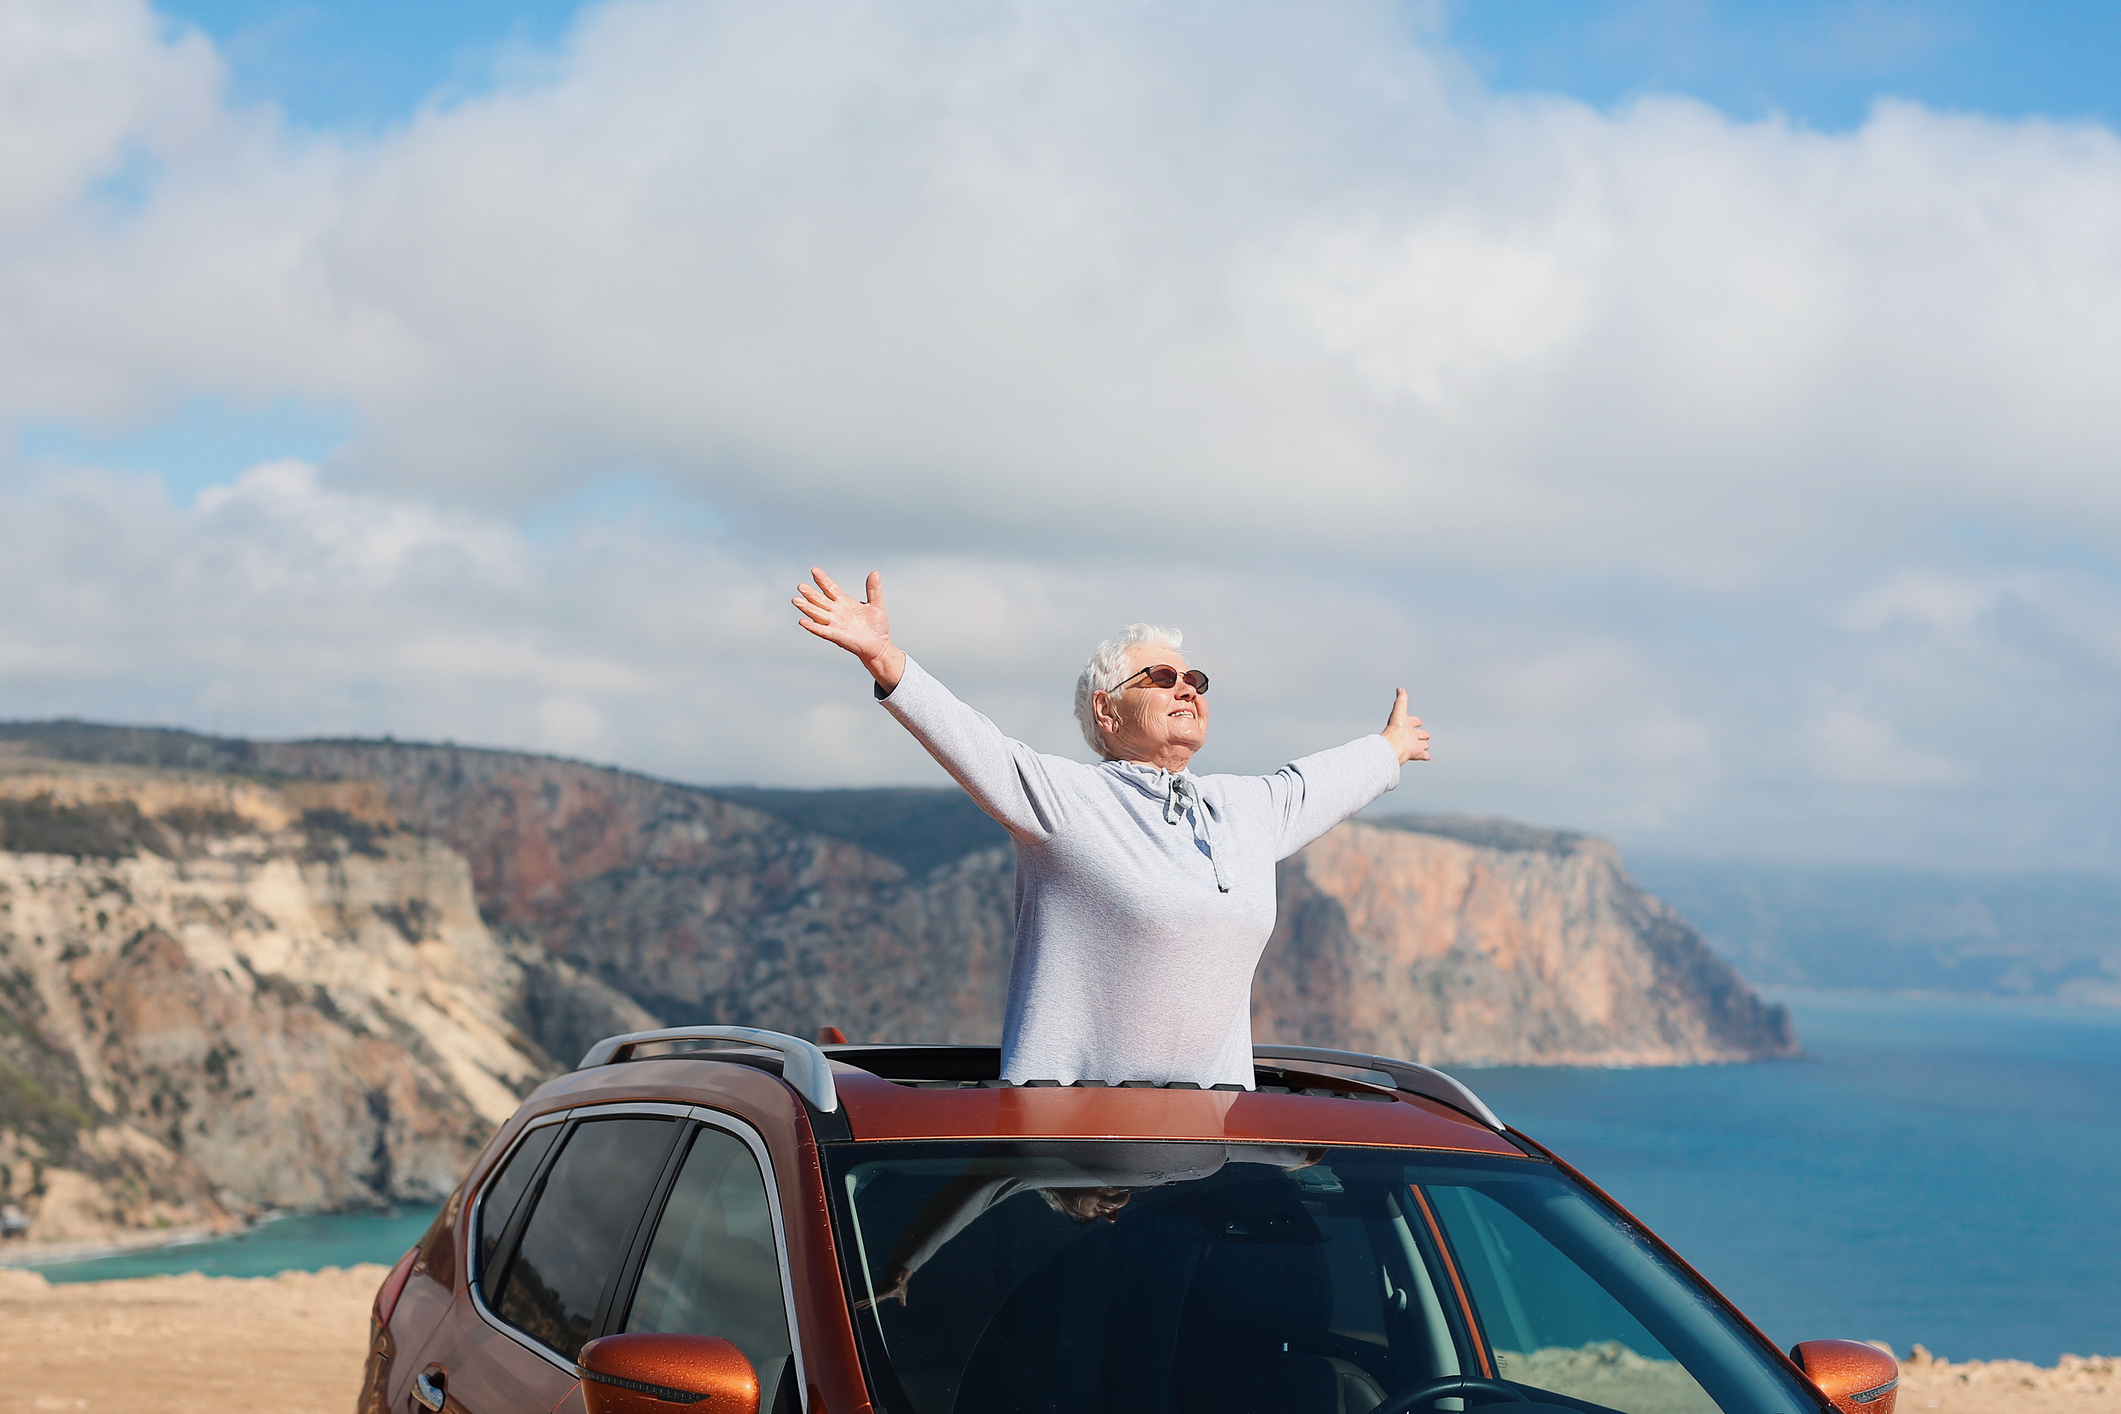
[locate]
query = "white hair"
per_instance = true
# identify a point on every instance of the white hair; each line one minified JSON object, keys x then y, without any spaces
{"x":1107,"y":669}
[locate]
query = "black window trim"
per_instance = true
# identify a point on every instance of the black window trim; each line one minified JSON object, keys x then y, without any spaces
{"x":691,"y":1118}
{"x":504,"y":1246}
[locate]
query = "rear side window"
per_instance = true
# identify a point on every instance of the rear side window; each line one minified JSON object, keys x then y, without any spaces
{"x":712,"y":1268}
{"x":580,"y":1228}
{"x":503,"y":1193}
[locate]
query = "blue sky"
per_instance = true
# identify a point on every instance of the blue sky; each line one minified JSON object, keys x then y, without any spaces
{"x":1821,"y":62}
{"x":362,"y":66}
{"x":1724,"y":459}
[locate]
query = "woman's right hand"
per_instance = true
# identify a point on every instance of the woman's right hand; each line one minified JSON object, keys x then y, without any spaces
{"x":859,"y":626}
{"x":896,"y":1281}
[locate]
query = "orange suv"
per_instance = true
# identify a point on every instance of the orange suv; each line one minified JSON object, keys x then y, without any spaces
{"x":731,"y":1220}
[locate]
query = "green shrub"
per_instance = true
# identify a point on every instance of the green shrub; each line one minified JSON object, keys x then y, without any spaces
{"x":99,"y":830}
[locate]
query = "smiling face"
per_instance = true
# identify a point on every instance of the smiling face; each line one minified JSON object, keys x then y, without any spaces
{"x":1158,"y":726}
{"x":1088,"y":1205}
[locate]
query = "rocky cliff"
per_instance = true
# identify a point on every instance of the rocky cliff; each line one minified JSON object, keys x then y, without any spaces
{"x":218,"y":995}
{"x":702,"y":909}
{"x":352,"y":956}
{"x":1481,"y":942}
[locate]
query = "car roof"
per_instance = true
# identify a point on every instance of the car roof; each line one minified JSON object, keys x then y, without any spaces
{"x":1306,"y":1096}
{"x":878,"y":1108}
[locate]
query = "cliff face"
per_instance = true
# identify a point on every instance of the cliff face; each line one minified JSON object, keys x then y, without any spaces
{"x":315,"y":974}
{"x":1476,"y":942}
{"x":701,"y":909}
{"x":1455,"y":940}
{"x":219,"y":995}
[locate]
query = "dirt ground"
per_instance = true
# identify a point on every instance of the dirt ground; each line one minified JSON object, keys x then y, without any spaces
{"x":2090,"y":1384}
{"x":293,"y":1344}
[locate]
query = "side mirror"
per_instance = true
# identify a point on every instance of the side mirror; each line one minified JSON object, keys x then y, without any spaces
{"x":647,"y":1373}
{"x":1859,"y":1378}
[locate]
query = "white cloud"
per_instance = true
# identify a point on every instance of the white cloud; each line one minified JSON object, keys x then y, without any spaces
{"x":990,"y":270}
{"x":1926,"y":598}
{"x":1643,"y":442}
{"x":1849,"y":746}
{"x":87,"y":88}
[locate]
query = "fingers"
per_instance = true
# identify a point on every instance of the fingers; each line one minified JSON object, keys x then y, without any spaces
{"x":812,"y":610}
{"x":1405,"y":731}
{"x":824,"y":582}
{"x":874,"y":589}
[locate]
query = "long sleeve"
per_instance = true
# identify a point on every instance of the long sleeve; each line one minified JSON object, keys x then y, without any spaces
{"x":1313,"y":794}
{"x":958,"y":1204}
{"x":1004,"y":777}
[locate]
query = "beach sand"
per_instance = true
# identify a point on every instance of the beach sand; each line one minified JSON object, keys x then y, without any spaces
{"x":2088,"y":1383}
{"x":294,"y":1344}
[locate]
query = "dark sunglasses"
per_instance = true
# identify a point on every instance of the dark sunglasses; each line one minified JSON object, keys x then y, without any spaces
{"x":1164,"y":675}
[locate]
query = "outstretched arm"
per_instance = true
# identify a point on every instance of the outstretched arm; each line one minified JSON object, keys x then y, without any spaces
{"x":1314,"y":794}
{"x":955,"y":1207}
{"x":1006,"y":778}
{"x":859,"y":626}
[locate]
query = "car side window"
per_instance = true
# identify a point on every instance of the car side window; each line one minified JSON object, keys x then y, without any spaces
{"x":712,"y":1268}
{"x":503,"y":1192}
{"x":1550,"y":1324}
{"x":579,"y":1229}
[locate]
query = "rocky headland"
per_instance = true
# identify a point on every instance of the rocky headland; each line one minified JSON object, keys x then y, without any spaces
{"x":1488,"y":943}
{"x":239,"y":975}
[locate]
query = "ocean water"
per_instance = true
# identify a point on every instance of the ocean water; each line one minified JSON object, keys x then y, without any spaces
{"x":304,"y":1243}
{"x":1942,"y":1171}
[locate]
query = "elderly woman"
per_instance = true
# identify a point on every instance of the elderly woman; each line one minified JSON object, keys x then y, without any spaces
{"x":1144,"y":893}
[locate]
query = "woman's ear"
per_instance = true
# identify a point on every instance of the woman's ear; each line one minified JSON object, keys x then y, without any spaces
{"x":1101,"y":709}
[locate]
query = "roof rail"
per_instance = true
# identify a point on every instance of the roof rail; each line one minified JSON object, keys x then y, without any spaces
{"x":803,"y":1065}
{"x":1410,"y":1076}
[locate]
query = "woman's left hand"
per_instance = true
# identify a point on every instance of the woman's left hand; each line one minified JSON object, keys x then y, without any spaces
{"x":1406,"y":733}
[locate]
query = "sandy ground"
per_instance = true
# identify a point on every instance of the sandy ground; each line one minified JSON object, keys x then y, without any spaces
{"x":293,"y":1344}
{"x":2091,"y":1384}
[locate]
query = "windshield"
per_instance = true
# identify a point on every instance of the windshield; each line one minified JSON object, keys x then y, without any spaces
{"x":1084,"y":1278}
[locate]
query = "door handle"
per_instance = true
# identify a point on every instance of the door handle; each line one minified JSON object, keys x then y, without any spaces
{"x":428,"y":1392}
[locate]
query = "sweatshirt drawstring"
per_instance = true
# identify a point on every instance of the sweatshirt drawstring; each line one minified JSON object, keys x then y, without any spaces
{"x":1183,"y":796}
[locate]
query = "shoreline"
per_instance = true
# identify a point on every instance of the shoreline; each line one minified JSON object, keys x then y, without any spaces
{"x":14,"y":1257}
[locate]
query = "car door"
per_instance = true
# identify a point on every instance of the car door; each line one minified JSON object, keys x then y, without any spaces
{"x":715,"y":1263}
{"x":554,"y":1228}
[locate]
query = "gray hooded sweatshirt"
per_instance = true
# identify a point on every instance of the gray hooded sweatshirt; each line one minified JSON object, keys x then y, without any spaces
{"x":1143,"y":898}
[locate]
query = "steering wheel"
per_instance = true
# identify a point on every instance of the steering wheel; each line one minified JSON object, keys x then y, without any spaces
{"x":1450,"y":1386}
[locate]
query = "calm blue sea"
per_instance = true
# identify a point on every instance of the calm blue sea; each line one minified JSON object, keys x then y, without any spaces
{"x":1942,"y":1171}
{"x":1933,"y":1170}
{"x":301,"y":1243}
